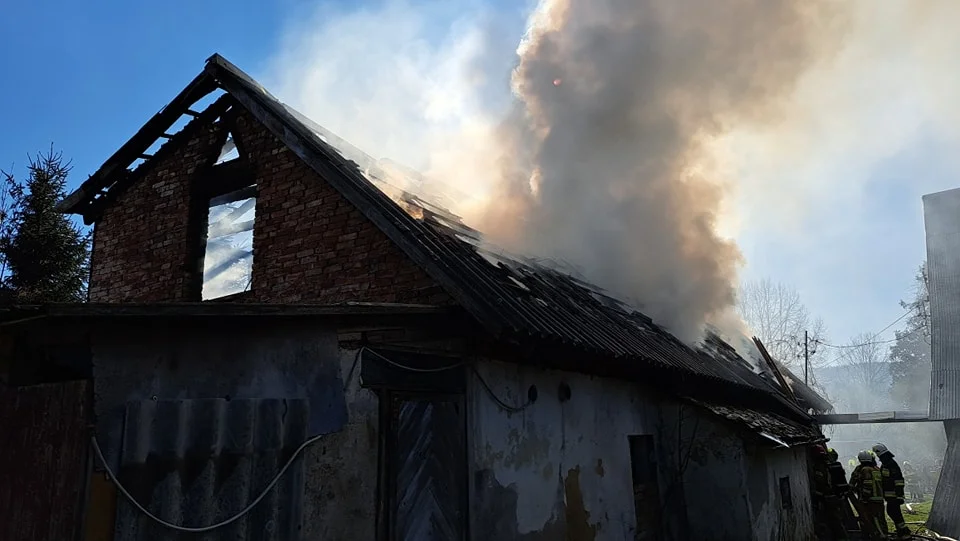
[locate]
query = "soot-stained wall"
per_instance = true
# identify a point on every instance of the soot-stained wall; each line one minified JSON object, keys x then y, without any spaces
{"x":714,"y":486}
{"x":342,"y":468}
{"x":731,"y":482}
{"x":289,"y":362}
{"x":557,"y":469}
{"x":771,"y":521}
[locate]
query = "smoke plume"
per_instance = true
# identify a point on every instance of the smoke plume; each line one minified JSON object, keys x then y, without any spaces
{"x":607,"y":159}
{"x":603,"y":140}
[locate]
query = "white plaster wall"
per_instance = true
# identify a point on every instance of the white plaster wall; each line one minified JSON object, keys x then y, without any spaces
{"x":534,"y":452}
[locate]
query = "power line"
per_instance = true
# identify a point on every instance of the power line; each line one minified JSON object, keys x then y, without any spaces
{"x":905,"y":314}
{"x":848,"y":346}
{"x":878,"y":333}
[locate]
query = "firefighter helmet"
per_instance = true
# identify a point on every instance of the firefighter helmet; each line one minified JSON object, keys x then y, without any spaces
{"x":865,"y":457}
{"x":880,"y":449}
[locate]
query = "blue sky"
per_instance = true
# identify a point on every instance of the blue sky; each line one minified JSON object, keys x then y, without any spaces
{"x":86,"y":76}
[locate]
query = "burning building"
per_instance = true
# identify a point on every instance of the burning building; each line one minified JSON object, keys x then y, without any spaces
{"x":274,"y":348}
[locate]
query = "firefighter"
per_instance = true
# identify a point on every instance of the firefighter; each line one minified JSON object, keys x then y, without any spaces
{"x":826,"y":509}
{"x":911,"y":482}
{"x":841,"y":491}
{"x":867,"y":484}
{"x":892,"y":488}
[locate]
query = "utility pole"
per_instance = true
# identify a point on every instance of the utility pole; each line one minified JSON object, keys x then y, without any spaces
{"x":806,"y":358}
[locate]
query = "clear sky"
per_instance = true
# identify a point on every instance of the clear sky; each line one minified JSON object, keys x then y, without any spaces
{"x":842,"y":223}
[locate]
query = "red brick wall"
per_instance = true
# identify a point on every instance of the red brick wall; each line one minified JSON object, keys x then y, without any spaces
{"x":140,"y":242}
{"x":310,"y":244}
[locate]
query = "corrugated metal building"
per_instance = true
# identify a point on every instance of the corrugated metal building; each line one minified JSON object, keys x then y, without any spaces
{"x":942,"y":221}
{"x":533,"y":406}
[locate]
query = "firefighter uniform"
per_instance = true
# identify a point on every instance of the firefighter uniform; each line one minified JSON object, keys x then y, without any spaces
{"x":893,"y":484}
{"x":867,"y":484}
{"x":841,"y":492}
{"x":825,"y":501}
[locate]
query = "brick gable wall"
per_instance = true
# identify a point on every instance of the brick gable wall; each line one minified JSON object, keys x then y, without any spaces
{"x":141,"y":243}
{"x":310,"y":244}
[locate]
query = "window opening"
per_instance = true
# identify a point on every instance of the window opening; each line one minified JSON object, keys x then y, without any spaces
{"x":786,"y":496}
{"x":228,"y":256}
{"x":229,"y":151}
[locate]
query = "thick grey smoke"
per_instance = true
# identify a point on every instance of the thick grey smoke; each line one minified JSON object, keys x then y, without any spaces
{"x":606,"y":160}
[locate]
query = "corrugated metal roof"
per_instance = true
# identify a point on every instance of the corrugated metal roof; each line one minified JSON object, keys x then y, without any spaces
{"x":770,"y":425}
{"x":945,"y":512}
{"x":941,"y":212}
{"x":197,"y":462}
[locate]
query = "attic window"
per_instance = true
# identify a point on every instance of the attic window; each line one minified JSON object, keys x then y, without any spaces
{"x":229,"y":152}
{"x":228,"y":256}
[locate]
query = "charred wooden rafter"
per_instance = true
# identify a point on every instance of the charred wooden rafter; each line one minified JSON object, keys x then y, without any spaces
{"x":123,"y":178}
{"x":82,"y":199}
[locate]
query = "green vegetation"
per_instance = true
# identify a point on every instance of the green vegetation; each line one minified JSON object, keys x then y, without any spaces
{"x":920,"y":515}
{"x":44,"y":257}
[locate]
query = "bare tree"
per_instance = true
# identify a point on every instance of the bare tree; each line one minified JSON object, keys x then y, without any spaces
{"x":777,"y":315}
{"x":866,"y":371}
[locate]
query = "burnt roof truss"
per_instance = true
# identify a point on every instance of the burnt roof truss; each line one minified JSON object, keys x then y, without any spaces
{"x":121,"y":168}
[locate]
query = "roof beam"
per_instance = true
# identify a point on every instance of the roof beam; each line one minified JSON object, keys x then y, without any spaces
{"x":878,"y":417}
{"x":116,"y":164}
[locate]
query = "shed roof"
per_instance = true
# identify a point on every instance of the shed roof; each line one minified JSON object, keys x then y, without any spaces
{"x":519,"y":302}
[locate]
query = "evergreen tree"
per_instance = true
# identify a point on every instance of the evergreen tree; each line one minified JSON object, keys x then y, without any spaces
{"x":910,"y":353}
{"x":45,"y":256}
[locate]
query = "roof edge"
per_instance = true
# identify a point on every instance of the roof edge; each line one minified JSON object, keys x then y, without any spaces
{"x":75,"y":203}
{"x":20,"y":314}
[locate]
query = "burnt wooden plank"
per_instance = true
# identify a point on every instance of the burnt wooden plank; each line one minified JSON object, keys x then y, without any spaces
{"x":43,"y":461}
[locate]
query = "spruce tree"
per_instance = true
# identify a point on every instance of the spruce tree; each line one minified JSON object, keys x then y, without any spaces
{"x":910,"y":353}
{"x":45,"y":256}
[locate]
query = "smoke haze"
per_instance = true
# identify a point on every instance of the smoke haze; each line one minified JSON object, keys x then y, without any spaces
{"x":630,"y":138}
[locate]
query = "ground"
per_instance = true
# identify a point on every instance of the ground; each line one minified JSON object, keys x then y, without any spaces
{"x":914,"y":521}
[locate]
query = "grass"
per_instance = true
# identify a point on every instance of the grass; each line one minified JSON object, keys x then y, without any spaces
{"x":921,"y":514}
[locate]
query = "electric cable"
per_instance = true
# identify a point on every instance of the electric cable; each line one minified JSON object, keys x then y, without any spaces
{"x":411,"y":368}
{"x":873,"y":343}
{"x":506,"y":407}
{"x":199,"y":529}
